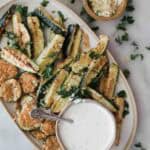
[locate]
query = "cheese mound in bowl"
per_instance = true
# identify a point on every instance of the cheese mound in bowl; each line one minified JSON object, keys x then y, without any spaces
{"x":105,"y":9}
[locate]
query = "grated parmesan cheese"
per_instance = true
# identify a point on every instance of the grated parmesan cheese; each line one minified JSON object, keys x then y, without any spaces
{"x":105,"y":8}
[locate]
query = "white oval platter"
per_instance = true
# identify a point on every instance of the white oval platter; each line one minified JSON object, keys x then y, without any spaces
{"x":130,"y":122}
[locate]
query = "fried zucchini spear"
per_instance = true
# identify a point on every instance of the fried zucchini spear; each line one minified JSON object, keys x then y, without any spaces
{"x":6,"y":18}
{"x":52,"y":91}
{"x":119,"y":117}
{"x":50,"y":53}
{"x":100,"y":49}
{"x":18,"y":59}
{"x":48,"y":20}
{"x":108,"y":84}
{"x":95,"y":69}
{"x":102,"y":100}
{"x":37,"y":35}
{"x":71,"y":46}
{"x":21,"y":32}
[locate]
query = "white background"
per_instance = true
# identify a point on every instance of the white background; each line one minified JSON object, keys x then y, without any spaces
{"x":10,"y":137}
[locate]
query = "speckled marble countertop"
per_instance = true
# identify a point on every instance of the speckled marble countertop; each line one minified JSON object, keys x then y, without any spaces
{"x":139,"y":79}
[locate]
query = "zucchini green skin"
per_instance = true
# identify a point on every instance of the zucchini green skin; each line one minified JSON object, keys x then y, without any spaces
{"x":70,"y":85}
{"x":72,"y":42}
{"x":42,"y":91}
{"x":46,"y":84}
{"x":6,"y":18}
{"x":69,"y":38}
{"x":37,"y":35}
{"x":96,"y":71}
{"x":110,"y":105}
{"x":42,"y":14}
{"x":52,"y":95}
{"x":75,"y":50}
{"x":100,"y":49}
{"x":67,"y":92}
{"x":51,"y":53}
{"x":99,"y":76}
{"x":111,"y":81}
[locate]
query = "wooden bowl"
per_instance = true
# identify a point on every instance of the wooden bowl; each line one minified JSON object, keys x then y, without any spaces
{"x":119,"y":12}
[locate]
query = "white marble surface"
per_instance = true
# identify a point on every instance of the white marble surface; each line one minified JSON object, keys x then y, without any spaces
{"x":10,"y":137}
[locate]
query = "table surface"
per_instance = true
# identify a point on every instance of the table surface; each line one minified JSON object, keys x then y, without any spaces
{"x":139,"y":79}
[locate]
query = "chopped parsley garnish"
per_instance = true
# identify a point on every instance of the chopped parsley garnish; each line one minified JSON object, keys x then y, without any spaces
{"x":72,"y":1}
{"x":47,"y":73}
{"x":64,"y":93}
{"x":130,"y":6}
{"x":88,"y":18}
{"x":120,"y":39}
{"x":94,"y":55}
{"x":23,"y":10}
{"x":121,"y":26}
{"x":126,"y":73}
{"x":44,"y":3}
{"x":13,"y":40}
{"x":125,"y":37}
{"x":147,"y":47}
{"x":10,"y":35}
{"x":139,"y":145}
{"x":96,"y":80}
{"x":83,"y":93}
{"x":54,"y":54}
{"x":85,"y":69}
{"x":96,"y":28}
{"x":42,"y":91}
{"x":135,"y":45}
{"x":18,"y":74}
{"x":126,"y":109}
{"x":126,"y":20}
{"x":122,"y":94}
{"x":135,"y":56}
{"x":62,"y":17}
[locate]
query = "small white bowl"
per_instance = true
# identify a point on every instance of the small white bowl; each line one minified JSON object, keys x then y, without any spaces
{"x":104,"y":111}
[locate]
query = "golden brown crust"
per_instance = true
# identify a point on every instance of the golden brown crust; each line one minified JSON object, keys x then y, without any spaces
{"x":85,"y":42}
{"x":38,"y":135}
{"x":51,"y":143}
{"x":7,"y":71}
{"x":119,"y":118}
{"x":120,"y":10}
{"x":29,"y":82}
{"x":47,"y":129}
{"x":23,"y":118}
{"x":10,"y":90}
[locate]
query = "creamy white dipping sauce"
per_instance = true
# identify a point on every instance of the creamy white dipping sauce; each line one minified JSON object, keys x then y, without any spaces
{"x":93,"y":127}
